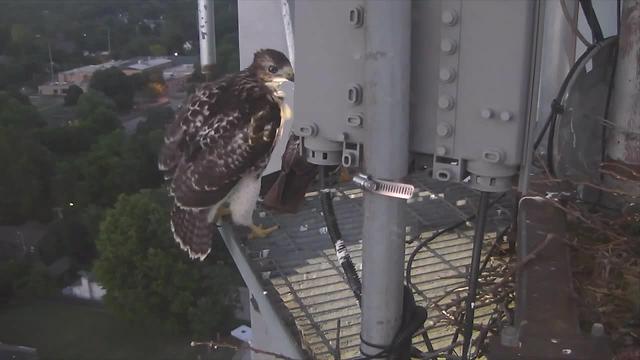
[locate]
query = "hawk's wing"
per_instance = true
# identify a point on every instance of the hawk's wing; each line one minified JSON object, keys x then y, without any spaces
{"x":226,"y":131}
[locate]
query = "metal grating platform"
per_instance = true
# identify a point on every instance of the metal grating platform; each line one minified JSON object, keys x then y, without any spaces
{"x":300,"y":269}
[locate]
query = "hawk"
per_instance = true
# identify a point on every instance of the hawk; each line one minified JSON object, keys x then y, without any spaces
{"x":217,"y":147}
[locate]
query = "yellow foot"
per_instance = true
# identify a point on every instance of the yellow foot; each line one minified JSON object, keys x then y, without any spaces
{"x":223,"y":211}
{"x":220,"y":213}
{"x":344,"y":175}
{"x":257,"y":231}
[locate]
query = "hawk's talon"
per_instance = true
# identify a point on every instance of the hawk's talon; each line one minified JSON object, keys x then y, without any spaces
{"x":258,"y":231}
{"x":220,"y":213}
{"x":223,"y":211}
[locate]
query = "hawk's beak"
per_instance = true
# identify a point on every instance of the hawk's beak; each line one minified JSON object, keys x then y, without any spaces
{"x":290,"y":76}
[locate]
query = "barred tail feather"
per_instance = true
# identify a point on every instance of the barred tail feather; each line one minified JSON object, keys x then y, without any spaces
{"x":192,"y":230}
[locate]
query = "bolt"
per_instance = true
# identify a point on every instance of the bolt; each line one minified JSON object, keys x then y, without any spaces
{"x":486,"y":113}
{"x":443,"y":130}
{"x":447,"y":75}
{"x":448,"y":46}
{"x":566,"y":351}
{"x":441,"y":151}
{"x":445,"y":102}
{"x":449,"y":17}
{"x":505,"y":116}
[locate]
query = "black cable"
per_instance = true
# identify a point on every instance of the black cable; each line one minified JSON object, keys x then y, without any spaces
{"x":607,"y":108}
{"x":592,"y":20}
{"x":470,"y":303}
{"x":326,"y":202}
{"x":556,"y":109}
{"x":426,"y":241}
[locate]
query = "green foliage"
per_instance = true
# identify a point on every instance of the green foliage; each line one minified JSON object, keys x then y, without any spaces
{"x":101,"y":121}
{"x":116,"y":164}
{"x":157,"y":50}
{"x":21,"y":281}
{"x":73,"y":95}
{"x":96,"y":112}
{"x":73,"y":236}
{"x":20,"y":33}
{"x":116,"y":85}
{"x":157,"y":119}
{"x":147,"y":276}
{"x":24,"y":186}
{"x":68,"y":140}
{"x":15,"y":113}
{"x":90,"y":101}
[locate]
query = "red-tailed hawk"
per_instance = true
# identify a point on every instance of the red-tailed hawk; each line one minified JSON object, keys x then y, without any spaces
{"x":218,"y":146}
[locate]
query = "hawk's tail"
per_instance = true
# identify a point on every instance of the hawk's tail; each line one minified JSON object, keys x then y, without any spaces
{"x":192,"y":230}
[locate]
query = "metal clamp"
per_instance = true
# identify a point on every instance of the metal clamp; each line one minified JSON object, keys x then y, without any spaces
{"x":385,"y":188}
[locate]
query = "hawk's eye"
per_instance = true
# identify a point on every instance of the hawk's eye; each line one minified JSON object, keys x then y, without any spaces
{"x":272,"y":69}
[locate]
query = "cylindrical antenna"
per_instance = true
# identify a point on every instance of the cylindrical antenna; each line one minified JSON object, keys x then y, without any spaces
{"x":207,"y":36}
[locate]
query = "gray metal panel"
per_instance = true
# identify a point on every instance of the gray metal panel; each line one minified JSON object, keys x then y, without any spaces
{"x":471,"y":66}
{"x":330,"y":56}
{"x":424,"y":70}
{"x":494,"y":74}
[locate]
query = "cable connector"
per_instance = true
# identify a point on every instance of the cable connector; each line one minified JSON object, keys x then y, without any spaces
{"x":383,"y":187}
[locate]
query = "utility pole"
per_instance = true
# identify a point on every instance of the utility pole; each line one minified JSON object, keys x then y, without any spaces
{"x":207,"y":36}
{"x":386,"y":98}
{"x":50,"y":60}
{"x":624,"y":135}
{"x":109,"y":40}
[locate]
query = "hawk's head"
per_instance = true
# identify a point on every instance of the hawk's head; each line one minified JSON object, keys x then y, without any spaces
{"x":272,"y":67}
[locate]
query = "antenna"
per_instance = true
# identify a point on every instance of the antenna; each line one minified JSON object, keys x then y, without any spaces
{"x":207,"y":36}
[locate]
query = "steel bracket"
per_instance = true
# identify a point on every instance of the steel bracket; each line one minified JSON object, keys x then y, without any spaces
{"x":383,"y":187}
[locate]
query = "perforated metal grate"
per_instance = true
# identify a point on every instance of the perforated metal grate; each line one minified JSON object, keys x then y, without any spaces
{"x":299,"y":264}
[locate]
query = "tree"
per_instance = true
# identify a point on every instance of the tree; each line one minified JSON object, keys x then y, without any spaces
{"x":74,"y":236}
{"x":73,"y":94}
{"x":116,"y":85}
{"x":67,"y":140}
{"x":148,"y":278}
{"x":24,"y":185}
{"x":116,"y":164}
{"x":90,"y":101}
{"x":157,"y":50}
{"x":15,"y":113}
{"x":97,"y":113}
{"x":23,"y":281}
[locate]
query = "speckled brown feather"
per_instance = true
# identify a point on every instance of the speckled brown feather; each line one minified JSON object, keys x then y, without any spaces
{"x":227,"y":129}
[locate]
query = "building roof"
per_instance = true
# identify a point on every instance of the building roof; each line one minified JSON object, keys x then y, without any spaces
{"x":179,"y":71}
{"x":307,"y":284}
{"x":17,"y":241}
{"x":13,"y":352}
{"x":90,"y":69}
{"x":148,"y":63}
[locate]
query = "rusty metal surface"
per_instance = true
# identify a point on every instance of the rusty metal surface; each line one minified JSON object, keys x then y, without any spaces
{"x":546,"y":312}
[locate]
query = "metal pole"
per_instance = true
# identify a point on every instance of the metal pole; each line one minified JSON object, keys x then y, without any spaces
{"x":288,"y":30}
{"x":109,"y":40}
{"x":50,"y":60}
{"x":553,"y":55}
{"x":207,"y":36}
{"x":624,"y":141}
{"x":470,"y":304}
{"x":386,"y":97}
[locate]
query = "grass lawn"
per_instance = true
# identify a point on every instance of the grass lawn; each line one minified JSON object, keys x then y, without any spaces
{"x":63,"y":331}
